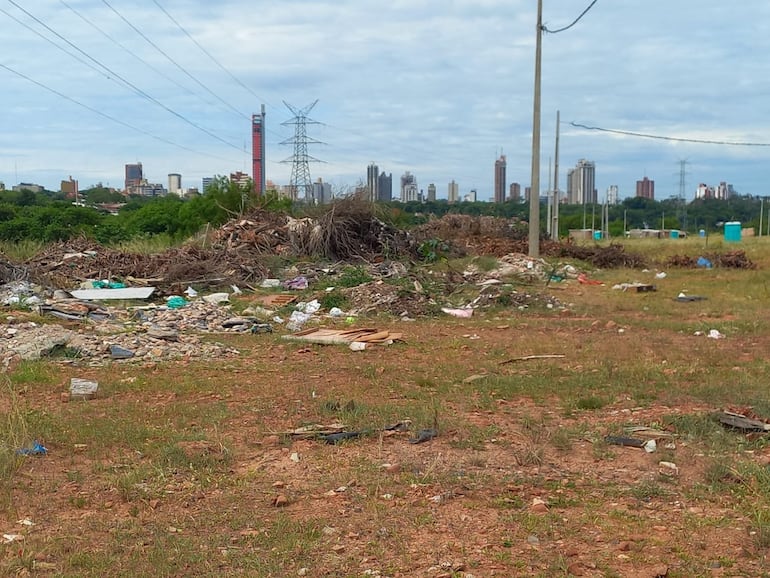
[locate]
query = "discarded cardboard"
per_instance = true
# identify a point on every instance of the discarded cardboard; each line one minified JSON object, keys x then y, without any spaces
{"x":111,"y":294}
{"x":345,"y":336}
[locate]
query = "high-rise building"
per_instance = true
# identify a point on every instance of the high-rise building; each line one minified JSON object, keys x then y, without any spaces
{"x":612,"y":195}
{"x":500,"y":165}
{"x":431,"y":192}
{"x":723,"y":191}
{"x":515,"y":193}
{"x":206,"y":183}
{"x":471,"y":197}
{"x":409,"y":190}
{"x":581,"y":183}
{"x":322,"y":192}
{"x":175,"y":184}
{"x":385,"y":187}
{"x":645,"y":189}
{"x":528,"y":193}
{"x":453,"y":192}
{"x":241,"y":178}
{"x":258,"y":151}
{"x":372,"y":182}
{"x":134,"y":177}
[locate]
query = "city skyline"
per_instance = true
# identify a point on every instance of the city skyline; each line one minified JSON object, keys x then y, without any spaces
{"x":641,"y":79}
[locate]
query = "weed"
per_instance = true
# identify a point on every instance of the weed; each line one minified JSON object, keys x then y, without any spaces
{"x":646,"y":490}
{"x":353,"y":277}
{"x":334,"y":299}
{"x":590,"y":403}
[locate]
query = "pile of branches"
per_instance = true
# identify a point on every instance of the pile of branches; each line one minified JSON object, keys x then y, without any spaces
{"x":453,"y":227}
{"x":66,"y":264}
{"x":347,"y":229}
{"x":731,"y":260}
{"x":609,"y":257}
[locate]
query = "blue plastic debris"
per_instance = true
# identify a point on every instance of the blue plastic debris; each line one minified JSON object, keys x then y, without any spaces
{"x":703,"y":262}
{"x":37,"y":449}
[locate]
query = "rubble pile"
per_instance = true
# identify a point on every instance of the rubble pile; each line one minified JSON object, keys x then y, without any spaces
{"x":379,"y":297}
{"x":30,"y":341}
{"x":732,"y":259}
{"x":604,"y":257}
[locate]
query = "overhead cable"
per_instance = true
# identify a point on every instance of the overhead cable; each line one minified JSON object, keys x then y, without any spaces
{"x":575,"y":21}
{"x":671,"y":138}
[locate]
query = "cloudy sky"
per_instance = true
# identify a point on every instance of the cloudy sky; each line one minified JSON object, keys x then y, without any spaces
{"x":436,"y":87}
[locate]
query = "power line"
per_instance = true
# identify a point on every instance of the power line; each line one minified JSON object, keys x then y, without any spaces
{"x":671,"y":138}
{"x":107,"y":116}
{"x":575,"y":21}
{"x":111,"y":73}
{"x":125,"y":48}
{"x":207,"y":53}
{"x":175,"y":63}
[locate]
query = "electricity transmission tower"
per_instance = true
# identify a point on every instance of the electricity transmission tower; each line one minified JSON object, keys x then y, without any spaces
{"x":300,"y":182}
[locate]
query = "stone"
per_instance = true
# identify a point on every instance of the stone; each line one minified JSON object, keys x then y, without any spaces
{"x":280,"y":501}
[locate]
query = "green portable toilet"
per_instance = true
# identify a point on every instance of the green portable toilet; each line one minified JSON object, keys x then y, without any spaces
{"x":733,"y":231}
{"x":674,"y":234}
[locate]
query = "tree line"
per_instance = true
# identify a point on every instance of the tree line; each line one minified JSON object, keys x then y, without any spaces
{"x":47,"y":216}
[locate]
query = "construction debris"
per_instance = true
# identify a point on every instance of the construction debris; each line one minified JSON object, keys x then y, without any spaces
{"x":345,"y":336}
{"x":731,"y":259}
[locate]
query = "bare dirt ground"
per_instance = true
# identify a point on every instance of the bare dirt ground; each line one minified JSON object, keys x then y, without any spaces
{"x":188,"y":469}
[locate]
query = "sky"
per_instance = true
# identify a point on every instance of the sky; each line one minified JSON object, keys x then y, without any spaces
{"x":440,"y":88}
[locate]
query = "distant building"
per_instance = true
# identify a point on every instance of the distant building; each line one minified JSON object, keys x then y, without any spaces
{"x":581,"y":183}
{"x":723,"y":191}
{"x":243,"y":180}
{"x":431,"y":192}
{"x":70,"y":189}
{"x":322,"y":192}
{"x":471,"y":197}
{"x":515,"y":193}
{"x":612,"y":197}
{"x":175,"y":184}
{"x":500,"y":165}
{"x":134,"y":177}
{"x":528,"y":193}
{"x":32,"y":187}
{"x":645,"y":189}
{"x":206,"y":183}
{"x":453,"y":192}
{"x":409,"y":190}
{"x":385,"y":187}
{"x":2,"y":186}
{"x":372,"y":182}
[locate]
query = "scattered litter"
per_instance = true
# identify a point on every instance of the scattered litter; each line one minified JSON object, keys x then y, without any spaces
{"x":336,"y":312}
{"x":297,"y":283}
{"x":531,"y":357}
{"x":650,"y":446}
{"x":424,"y":435}
{"x":464,"y":313}
{"x":715,"y":334}
{"x":624,"y":441}
{"x":111,"y":294}
{"x":647,"y":432}
{"x":294,"y":457}
{"x":584,"y":280}
{"x":83,"y":388}
{"x":297,"y":320}
{"x":236,"y":290}
{"x":639,"y":287}
{"x":277,"y":300}
{"x":175,"y":302}
{"x":25,"y":522}
{"x":37,"y":449}
{"x":216,"y":298}
{"x":660,"y":275}
{"x":9,"y":538}
{"x":345,"y":336}
{"x":310,"y":307}
{"x":261,"y":328}
{"x":190,"y":292}
{"x":270,"y":283}
{"x":357,"y":346}
{"x":743,"y":422}
{"x":704,"y":263}
{"x":335,"y":438}
{"x":688,"y":298}
{"x":669,"y":469}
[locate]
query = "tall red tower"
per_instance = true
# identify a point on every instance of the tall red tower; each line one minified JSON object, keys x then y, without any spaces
{"x":258,"y":151}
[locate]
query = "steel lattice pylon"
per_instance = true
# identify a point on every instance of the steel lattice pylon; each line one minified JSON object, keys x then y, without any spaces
{"x":300,"y":182}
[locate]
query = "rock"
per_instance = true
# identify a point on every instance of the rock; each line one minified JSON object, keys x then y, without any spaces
{"x":669,"y":469}
{"x":624,"y":546}
{"x":164,"y":334}
{"x":280,"y":501}
{"x":393,"y":468}
{"x":575,"y":569}
{"x":538,"y":506}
